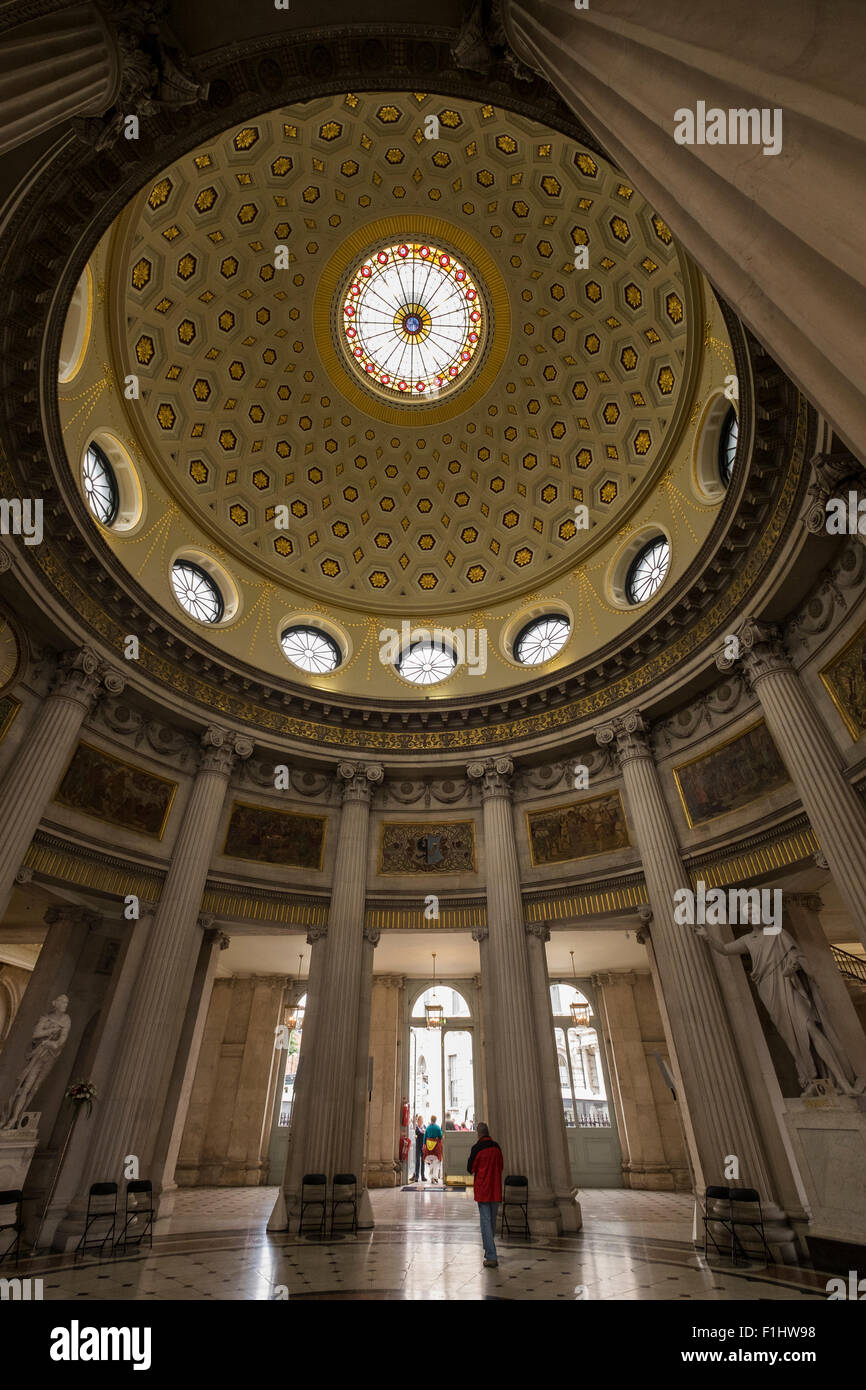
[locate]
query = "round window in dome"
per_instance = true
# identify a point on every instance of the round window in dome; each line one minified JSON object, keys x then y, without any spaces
{"x":197,"y":592}
{"x":412,"y":321}
{"x":426,"y":663}
{"x":100,"y":485}
{"x":310,"y":649}
{"x":648,"y":569}
{"x":728,"y":437}
{"x":541,"y":639}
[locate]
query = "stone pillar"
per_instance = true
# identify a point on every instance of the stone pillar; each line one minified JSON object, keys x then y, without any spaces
{"x":804,"y":924}
{"x":537,"y":936}
{"x":40,"y":762}
{"x":128,"y":1120}
{"x":521,"y":1096}
{"x":65,"y":63}
{"x":644,"y":1163}
{"x":386,"y":1035}
{"x":303,"y":1104}
{"x":626,"y":69}
{"x":68,"y":929}
{"x":481,"y":936}
{"x":326,"y":1108}
{"x":716,"y":1095}
{"x":363,"y":1088}
{"x":836,"y":813}
{"x":228,"y":1110}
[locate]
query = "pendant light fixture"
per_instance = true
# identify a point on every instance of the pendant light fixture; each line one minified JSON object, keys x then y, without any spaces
{"x":292,"y":1019}
{"x":580,"y":1013}
{"x":433,"y":1013}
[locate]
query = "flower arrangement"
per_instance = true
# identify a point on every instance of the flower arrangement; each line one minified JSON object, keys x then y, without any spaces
{"x":82,"y":1093}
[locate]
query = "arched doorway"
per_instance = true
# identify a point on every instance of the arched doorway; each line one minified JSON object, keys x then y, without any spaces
{"x":442,"y":1066}
{"x":590,"y":1122}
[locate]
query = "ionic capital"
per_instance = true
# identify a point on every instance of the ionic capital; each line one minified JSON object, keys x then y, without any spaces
{"x":494,"y":774}
{"x":82,"y":675}
{"x":480,"y":933}
{"x":221,"y":748}
{"x":627,"y":737}
{"x":359,"y":779}
{"x":540,"y":930}
{"x":72,"y":915}
{"x":316,"y":933}
{"x":373,"y":935}
{"x":812,"y":902}
{"x":758,"y":648}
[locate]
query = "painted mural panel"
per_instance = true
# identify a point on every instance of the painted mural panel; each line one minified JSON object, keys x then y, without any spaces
{"x":845,"y":681}
{"x":275,"y":837}
{"x":427,"y":847}
{"x":578,"y":830}
{"x":729,"y":777}
{"x":111,"y":790}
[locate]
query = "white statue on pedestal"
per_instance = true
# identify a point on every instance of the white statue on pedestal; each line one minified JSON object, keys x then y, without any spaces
{"x":794,"y":1003}
{"x":46,"y":1044}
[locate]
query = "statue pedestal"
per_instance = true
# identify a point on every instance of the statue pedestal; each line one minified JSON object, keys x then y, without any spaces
{"x":828,"y":1135}
{"x":17,"y":1147}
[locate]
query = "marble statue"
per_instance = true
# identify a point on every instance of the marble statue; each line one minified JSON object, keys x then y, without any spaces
{"x":46,"y":1044}
{"x":794,"y":1003}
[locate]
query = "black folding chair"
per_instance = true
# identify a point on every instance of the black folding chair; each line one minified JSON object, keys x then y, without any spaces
{"x":516,"y":1200}
{"x":744,"y":1201}
{"x":314,"y":1190}
{"x":715,"y":1217}
{"x":739,"y":1213}
{"x":348,"y":1185}
{"x":12,"y":1199}
{"x":136,"y":1212}
{"x":98,"y":1209}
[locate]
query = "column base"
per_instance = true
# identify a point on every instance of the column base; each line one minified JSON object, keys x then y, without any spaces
{"x":570,"y":1213}
{"x":552,"y":1215}
{"x":383,"y":1174}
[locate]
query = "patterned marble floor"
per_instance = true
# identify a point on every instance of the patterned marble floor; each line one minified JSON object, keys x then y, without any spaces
{"x":425,"y":1246}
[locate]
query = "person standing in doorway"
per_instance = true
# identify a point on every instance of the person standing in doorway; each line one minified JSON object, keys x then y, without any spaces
{"x":433,"y":1150}
{"x":485,"y":1165}
{"x":418,"y":1175}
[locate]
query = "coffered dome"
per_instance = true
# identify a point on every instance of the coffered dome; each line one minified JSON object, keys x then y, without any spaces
{"x":373,"y":372}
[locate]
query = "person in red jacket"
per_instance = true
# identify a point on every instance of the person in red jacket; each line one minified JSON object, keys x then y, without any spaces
{"x":485,"y":1165}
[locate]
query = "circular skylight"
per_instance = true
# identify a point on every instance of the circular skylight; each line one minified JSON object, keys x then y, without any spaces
{"x":728,"y":437}
{"x":426,"y":663}
{"x":541,"y":639}
{"x":100,"y":485}
{"x":413,"y":321}
{"x":647,"y":570}
{"x":310,"y":649}
{"x":196,"y":592}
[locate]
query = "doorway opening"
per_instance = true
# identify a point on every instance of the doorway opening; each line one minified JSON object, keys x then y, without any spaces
{"x":442,"y":1059}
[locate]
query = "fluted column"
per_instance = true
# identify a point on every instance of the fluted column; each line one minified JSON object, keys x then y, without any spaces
{"x":326,"y":1110}
{"x":40,"y":762}
{"x":519,"y":1122}
{"x":481,"y":935}
{"x":129,"y":1118}
{"x":722,"y":1121}
{"x":537,"y":936}
{"x":836,"y":813}
{"x":791,"y":268}
{"x":302,"y":1104}
{"x":362,"y":1058}
{"x":65,"y":63}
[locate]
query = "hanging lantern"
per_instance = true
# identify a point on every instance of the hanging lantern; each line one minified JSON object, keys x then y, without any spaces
{"x":580,"y":1013}
{"x":292,"y":1016}
{"x":434,"y":1014}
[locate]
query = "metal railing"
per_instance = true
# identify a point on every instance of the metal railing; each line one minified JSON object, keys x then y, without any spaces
{"x":852,"y":966}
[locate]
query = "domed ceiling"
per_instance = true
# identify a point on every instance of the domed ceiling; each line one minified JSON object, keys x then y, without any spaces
{"x":263,"y":437}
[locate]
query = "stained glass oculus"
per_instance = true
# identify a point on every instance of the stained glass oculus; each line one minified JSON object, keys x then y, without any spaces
{"x":647,"y":571}
{"x":196,"y":592}
{"x":426,"y":663}
{"x":310,"y":649}
{"x":413,"y":321}
{"x":100,"y":485}
{"x":541,"y":639}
